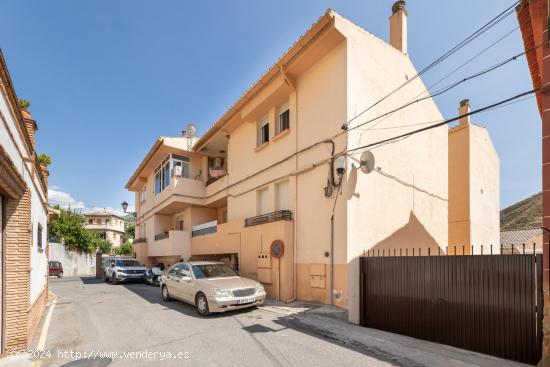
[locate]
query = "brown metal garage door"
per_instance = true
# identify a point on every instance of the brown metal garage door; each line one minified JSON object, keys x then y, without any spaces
{"x":486,"y":303}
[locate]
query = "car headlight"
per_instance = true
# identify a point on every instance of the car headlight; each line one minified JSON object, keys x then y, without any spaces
{"x":260,"y":288}
{"x":220,"y":293}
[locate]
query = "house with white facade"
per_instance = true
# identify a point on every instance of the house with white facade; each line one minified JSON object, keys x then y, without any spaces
{"x":23,"y":222}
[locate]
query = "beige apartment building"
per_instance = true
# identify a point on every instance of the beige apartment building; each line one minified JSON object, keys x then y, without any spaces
{"x":109,"y":226}
{"x":282,"y":168}
{"x":24,"y":215}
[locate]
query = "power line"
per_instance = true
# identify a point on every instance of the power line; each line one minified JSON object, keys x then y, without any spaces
{"x":447,"y":88}
{"x":444,"y":122}
{"x":452,"y":72}
{"x":497,"y":19}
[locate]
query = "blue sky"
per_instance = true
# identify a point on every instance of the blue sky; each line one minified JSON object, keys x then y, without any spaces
{"x":105,"y":78}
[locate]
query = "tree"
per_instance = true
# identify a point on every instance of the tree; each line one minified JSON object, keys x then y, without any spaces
{"x":69,"y":229}
{"x":23,"y":103}
{"x":44,"y":159}
{"x":104,"y":246}
{"x":130,"y":231}
{"x":124,"y":249}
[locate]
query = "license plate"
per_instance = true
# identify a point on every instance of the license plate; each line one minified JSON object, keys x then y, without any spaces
{"x":246,"y":300}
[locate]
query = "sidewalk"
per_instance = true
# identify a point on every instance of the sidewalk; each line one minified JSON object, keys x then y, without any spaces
{"x":329,"y":323}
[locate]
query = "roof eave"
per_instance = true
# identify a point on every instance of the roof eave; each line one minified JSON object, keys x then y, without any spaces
{"x":305,"y":40}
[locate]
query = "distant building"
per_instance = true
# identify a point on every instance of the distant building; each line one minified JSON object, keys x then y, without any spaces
{"x":109,"y":226}
{"x":474,"y":187}
{"x":513,"y":241}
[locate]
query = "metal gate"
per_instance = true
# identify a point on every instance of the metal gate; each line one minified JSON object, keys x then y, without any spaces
{"x":490,"y":304}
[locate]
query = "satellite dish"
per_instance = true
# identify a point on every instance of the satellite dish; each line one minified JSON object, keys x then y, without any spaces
{"x":367,"y":161}
{"x":190,"y":130}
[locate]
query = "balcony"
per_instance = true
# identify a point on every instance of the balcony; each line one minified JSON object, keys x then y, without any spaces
{"x":140,"y":240}
{"x":268,"y":218}
{"x":172,"y":243}
{"x":181,"y":190}
{"x":205,"y":228}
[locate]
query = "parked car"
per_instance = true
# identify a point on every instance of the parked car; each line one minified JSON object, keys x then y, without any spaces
{"x":55,"y":269}
{"x":152,"y":276}
{"x":120,"y":268}
{"x":211,"y":287}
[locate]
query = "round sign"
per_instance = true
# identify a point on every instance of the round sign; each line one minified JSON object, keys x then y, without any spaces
{"x":277,"y":249}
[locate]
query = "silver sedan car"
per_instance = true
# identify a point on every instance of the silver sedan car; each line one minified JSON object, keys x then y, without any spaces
{"x":211,"y":287}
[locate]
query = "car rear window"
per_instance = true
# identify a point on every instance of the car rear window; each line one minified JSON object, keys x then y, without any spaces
{"x":213,"y":271}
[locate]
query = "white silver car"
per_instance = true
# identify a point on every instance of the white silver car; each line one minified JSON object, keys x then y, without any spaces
{"x":211,"y":287}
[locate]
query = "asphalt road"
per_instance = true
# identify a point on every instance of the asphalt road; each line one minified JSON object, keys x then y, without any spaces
{"x":108,"y":322}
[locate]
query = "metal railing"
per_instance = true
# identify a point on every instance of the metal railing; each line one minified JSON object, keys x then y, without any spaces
{"x":268,"y":218}
{"x":513,"y":249}
{"x":203,"y":231}
{"x":140,"y":240}
{"x":161,"y":236}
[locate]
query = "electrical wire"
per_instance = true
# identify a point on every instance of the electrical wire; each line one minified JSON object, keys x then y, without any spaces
{"x":447,"y":88}
{"x":450,"y":73}
{"x":497,"y":19}
{"x":444,"y":122}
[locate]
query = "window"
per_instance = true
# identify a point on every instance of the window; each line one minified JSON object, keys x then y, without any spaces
{"x":143,"y":193}
{"x":107,"y":221}
{"x":162,"y":176}
{"x":173,"y":165}
{"x":90,"y":221}
{"x":284,"y":120}
{"x":263,"y":131}
{"x":181,"y":166}
{"x":262,"y":202}
{"x":39,"y":236}
{"x":282,"y":195}
{"x":180,"y":225}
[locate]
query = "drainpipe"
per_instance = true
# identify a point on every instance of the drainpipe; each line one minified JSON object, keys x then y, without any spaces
{"x":332,"y":258}
{"x":292,"y":86}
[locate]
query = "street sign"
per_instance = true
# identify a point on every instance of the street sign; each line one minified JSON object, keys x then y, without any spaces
{"x":277,"y":249}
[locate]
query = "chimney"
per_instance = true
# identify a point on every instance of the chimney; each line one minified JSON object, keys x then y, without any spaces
{"x":398,"y":26}
{"x":464,"y":109}
{"x":30,"y":125}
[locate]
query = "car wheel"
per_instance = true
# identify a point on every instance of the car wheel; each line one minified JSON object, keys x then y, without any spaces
{"x":60,"y":275}
{"x":165,"y":294}
{"x":202,"y":305}
{"x":156,"y":281}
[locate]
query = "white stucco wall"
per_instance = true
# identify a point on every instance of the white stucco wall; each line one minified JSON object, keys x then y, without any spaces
{"x":12,"y":141}
{"x":74,"y":263}
{"x":405,"y":203}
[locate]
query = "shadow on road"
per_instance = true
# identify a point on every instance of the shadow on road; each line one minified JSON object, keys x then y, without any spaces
{"x":153,"y":295}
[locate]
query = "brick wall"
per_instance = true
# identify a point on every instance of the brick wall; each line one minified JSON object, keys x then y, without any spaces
{"x":17,"y":257}
{"x":35,"y":313}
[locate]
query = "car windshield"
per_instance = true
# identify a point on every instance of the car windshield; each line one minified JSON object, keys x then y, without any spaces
{"x":213,"y":271}
{"x":127,"y":263}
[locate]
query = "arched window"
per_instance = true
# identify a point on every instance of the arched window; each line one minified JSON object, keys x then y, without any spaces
{"x":90,"y":221}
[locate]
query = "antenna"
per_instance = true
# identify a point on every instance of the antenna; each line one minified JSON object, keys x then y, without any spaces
{"x":190,"y":132}
{"x":367,"y":161}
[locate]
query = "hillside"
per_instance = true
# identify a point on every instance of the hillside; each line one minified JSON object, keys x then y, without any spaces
{"x":524,"y":214}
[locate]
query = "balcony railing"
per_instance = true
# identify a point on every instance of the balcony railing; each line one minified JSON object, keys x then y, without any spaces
{"x":205,"y":228}
{"x":268,"y":218}
{"x":140,"y":240}
{"x":162,"y":236}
